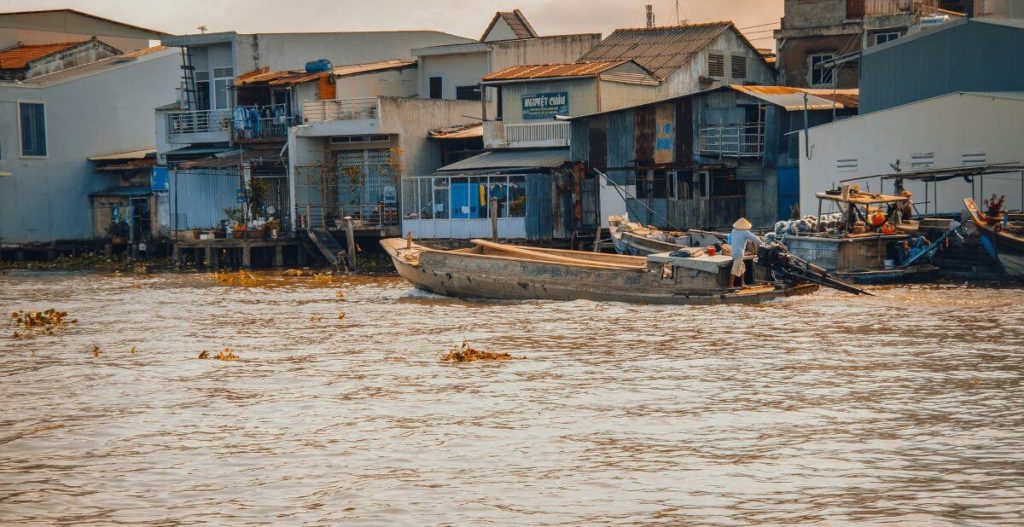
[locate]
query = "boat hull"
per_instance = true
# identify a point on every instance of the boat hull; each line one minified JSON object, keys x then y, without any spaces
{"x":1009,"y":248}
{"x":468,"y":276}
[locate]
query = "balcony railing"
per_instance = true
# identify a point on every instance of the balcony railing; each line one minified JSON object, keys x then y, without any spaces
{"x":526,"y":135}
{"x":341,"y":109}
{"x":256,"y":123}
{"x":732,"y":140}
{"x":199,"y":121}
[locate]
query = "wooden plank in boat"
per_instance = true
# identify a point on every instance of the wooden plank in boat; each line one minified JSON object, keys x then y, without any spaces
{"x":528,"y":254}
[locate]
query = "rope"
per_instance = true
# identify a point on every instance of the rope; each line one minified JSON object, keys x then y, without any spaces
{"x":625,"y":198}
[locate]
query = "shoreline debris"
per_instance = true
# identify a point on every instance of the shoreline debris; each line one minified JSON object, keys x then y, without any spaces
{"x":31,"y":323}
{"x":466,"y":353}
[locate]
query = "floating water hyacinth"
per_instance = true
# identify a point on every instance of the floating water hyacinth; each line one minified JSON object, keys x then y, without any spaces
{"x":466,"y":353}
{"x":31,"y":323}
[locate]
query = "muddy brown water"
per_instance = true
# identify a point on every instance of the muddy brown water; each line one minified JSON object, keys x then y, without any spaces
{"x":906,"y":408}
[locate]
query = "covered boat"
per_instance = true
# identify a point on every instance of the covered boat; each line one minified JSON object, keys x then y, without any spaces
{"x":1003,"y":234}
{"x":506,"y":272}
{"x":867,"y":241}
{"x":634,"y":239}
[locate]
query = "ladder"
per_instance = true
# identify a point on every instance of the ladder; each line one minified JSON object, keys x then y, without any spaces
{"x":189,"y":78}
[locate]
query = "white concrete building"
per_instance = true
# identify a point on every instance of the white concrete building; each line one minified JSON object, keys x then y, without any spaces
{"x":50,"y":125}
{"x":946,"y":132}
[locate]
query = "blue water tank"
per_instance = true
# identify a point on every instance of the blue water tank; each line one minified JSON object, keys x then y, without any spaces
{"x":317,"y":66}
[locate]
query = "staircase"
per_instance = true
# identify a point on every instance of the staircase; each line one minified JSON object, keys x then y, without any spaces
{"x":328,"y":246}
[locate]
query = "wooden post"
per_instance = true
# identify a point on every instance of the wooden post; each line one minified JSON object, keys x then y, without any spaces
{"x":246,"y":256}
{"x":279,"y":256}
{"x":209,"y":256}
{"x":176,"y":256}
{"x":408,"y":241}
{"x":350,"y":240}
{"x":494,"y":219}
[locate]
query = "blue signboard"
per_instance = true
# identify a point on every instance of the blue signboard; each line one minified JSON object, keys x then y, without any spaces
{"x":545,"y":105}
{"x":159,"y":179}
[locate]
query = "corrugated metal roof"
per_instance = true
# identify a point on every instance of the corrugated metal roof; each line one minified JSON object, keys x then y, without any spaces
{"x":547,"y":71}
{"x":127,"y":192}
{"x":152,"y":34}
{"x":792,"y":99}
{"x":662,"y":50}
{"x":19,"y":57}
{"x":468,"y":131}
{"x":290,"y":77}
{"x":516,"y":22}
{"x":122,"y":156}
{"x":508,"y":159}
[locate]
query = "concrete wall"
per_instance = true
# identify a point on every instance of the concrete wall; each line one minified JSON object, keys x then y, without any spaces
{"x":947,"y":128}
{"x":393,"y":83}
{"x":463,"y":69}
{"x":412,"y":118}
{"x":794,"y":56}
{"x":543,"y":50}
{"x":284,"y":51}
{"x":817,"y":13}
{"x":47,"y":198}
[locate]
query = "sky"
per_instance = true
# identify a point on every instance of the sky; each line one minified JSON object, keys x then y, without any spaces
{"x":466,"y":18}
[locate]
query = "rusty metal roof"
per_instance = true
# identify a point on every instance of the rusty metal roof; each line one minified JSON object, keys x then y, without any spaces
{"x":515,"y":20}
{"x":548,"y":71}
{"x":19,"y":57}
{"x":289,"y":77}
{"x":792,"y":99}
{"x":662,"y":50}
{"x":125,"y":156}
{"x":466,"y":131}
{"x":849,"y":98}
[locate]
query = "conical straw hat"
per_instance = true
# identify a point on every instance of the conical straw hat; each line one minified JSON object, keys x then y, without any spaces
{"x":742,"y":224}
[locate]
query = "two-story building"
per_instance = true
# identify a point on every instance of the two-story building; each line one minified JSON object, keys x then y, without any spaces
{"x":818,"y":37}
{"x":529,"y":134}
{"x":225,"y":135}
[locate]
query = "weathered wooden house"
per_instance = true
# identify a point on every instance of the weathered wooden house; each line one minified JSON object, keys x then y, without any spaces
{"x":700,"y":160}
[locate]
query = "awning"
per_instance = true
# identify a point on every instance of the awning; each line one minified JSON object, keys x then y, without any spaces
{"x":233,"y":158}
{"x":126,"y":156}
{"x":193,"y":151}
{"x":792,"y":99}
{"x":138,"y":191}
{"x":511,"y":159}
{"x":469,"y":131}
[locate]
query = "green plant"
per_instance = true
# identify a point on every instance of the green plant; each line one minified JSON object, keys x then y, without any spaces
{"x":235,"y":215}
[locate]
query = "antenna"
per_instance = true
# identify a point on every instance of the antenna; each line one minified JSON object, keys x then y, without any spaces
{"x":202,"y":29}
{"x":677,"y":12}
{"x":650,"y":16}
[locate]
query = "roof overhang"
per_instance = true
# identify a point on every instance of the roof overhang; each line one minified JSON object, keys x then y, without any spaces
{"x":59,"y":20}
{"x":204,"y":39}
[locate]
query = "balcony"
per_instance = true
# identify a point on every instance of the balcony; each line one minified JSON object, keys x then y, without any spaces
{"x":200,"y":126}
{"x":366,"y":108}
{"x":732,"y":140}
{"x":255,"y":124}
{"x":548,"y":134}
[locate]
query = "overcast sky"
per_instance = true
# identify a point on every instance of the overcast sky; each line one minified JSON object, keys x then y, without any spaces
{"x":461,"y":17}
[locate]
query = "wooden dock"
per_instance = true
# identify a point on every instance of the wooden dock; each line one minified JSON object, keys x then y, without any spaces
{"x":240,"y":253}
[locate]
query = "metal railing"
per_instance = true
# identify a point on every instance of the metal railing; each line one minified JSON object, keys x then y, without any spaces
{"x":341,"y":109}
{"x":732,"y":140}
{"x":555,"y":133}
{"x":261,"y":122}
{"x":199,"y":121}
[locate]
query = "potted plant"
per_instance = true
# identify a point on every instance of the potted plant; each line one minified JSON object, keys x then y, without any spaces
{"x":274,"y":227}
{"x":222,"y":229}
{"x":236,"y":216}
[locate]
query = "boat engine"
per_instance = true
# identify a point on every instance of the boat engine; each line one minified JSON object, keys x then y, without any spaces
{"x":788,"y":267}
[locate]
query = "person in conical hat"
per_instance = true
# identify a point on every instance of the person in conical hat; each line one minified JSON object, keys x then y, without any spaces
{"x":738,"y":241}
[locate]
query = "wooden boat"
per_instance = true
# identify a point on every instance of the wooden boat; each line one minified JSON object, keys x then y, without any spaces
{"x":1003,"y":238}
{"x":862,"y":253}
{"x":631,"y":238}
{"x":505,"y":272}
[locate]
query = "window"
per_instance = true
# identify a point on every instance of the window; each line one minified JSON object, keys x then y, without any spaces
{"x":716,"y":65}
{"x":882,"y":38}
{"x":739,"y":66}
{"x":467,"y":93}
{"x":32,"y":117}
{"x":223,"y":79}
{"x":821,"y":75}
{"x":202,"y":90}
{"x":435,"y":88}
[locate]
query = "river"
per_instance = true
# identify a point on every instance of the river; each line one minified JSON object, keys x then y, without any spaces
{"x":906,"y":408}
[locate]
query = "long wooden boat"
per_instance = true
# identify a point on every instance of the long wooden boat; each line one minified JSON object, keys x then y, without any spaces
{"x":1006,"y":240}
{"x":637,"y":240}
{"x":505,"y":272}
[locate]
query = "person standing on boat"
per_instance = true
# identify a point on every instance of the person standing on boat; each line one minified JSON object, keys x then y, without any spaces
{"x":738,"y":240}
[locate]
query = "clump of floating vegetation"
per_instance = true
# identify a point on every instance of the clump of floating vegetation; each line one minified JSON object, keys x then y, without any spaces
{"x":466,"y":353}
{"x":28,"y":324}
{"x":225,"y":354}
